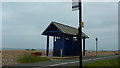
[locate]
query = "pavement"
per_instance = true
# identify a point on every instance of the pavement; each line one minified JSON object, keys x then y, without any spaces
{"x":60,"y":63}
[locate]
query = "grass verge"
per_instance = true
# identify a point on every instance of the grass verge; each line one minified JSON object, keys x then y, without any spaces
{"x":29,"y":59}
{"x":107,"y":63}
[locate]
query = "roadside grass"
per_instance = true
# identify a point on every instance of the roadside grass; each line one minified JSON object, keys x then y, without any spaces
{"x":112,"y":63}
{"x":26,"y":58}
{"x":106,"y":62}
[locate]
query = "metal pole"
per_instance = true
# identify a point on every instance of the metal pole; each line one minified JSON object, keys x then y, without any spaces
{"x":47,"y":51}
{"x":80,"y":35}
{"x":84,"y":46}
{"x":54,"y":46}
{"x":96,"y":47}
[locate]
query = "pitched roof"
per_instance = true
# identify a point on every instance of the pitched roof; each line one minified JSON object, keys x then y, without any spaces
{"x":68,"y":29}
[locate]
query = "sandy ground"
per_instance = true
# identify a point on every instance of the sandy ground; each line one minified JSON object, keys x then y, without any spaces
{"x":0,"y":58}
{"x":101,"y":53}
{"x":9,"y":57}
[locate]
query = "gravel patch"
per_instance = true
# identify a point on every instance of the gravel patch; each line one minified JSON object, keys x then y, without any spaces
{"x":9,"y":57}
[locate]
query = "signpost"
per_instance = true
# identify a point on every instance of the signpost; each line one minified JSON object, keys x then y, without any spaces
{"x":82,"y":24}
{"x":96,"y":46}
{"x":77,"y":5}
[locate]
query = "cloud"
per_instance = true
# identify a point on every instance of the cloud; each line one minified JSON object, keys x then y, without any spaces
{"x":101,"y":20}
{"x":24,"y":22}
{"x":0,"y":25}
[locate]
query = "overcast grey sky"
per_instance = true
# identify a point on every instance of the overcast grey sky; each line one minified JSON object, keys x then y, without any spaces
{"x":23,"y":23}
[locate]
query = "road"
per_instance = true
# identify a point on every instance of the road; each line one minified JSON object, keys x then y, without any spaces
{"x":59,"y":63}
{"x":76,"y":63}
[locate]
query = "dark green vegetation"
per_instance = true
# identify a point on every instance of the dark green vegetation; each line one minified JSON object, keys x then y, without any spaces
{"x":107,"y":63}
{"x":30,"y":49}
{"x":30,"y":58}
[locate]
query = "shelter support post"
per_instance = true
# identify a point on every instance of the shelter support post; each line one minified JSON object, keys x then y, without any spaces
{"x":54,"y":46}
{"x":63,"y":46}
{"x":83,"y":46}
{"x":47,"y":51}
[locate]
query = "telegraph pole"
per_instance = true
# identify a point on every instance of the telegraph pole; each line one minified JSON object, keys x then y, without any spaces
{"x":80,"y":34}
{"x":78,"y":6}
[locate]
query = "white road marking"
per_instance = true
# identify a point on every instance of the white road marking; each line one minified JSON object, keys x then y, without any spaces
{"x":78,"y":61}
{"x":63,"y":63}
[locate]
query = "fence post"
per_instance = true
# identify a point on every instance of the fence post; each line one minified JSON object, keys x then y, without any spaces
{"x":61,"y":52}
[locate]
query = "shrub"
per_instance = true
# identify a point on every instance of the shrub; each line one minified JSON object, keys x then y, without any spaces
{"x":116,"y":53}
{"x":33,"y":49}
{"x":27,"y":49}
{"x":29,"y":59}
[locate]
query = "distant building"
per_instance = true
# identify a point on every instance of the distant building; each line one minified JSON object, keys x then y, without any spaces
{"x":65,"y":39}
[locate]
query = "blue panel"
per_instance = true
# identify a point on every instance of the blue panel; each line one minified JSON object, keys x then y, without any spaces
{"x":53,"y":33}
{"x":75,"y":47}
{"x":59,"y":44}
{"x":67,"y":44}
{"x":70,"y":46}
{"x":52,"y":30}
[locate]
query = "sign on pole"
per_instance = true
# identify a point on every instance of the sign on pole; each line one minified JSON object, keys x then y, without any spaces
{"x":82,"y":24}
{"x":75,"y":5}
